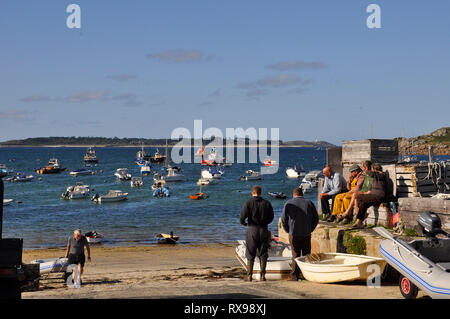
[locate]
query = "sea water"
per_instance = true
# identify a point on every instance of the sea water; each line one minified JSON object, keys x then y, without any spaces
{"x":45,"y":220}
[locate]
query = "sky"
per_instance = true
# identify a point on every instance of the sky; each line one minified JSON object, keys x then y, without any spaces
{"x":312,"y":69}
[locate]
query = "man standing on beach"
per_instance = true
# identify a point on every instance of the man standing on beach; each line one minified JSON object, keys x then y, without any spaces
{"x":259,"y":214}
{"x":75,"y":252}
{"x":299,"y":219}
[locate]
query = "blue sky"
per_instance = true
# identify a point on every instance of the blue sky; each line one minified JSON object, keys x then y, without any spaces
{"x":143,"y":68}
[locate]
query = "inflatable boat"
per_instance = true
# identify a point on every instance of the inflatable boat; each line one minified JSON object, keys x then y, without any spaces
{"x":52,"y":265}
{"x":278,"y":265}
{"x":423,"y":264}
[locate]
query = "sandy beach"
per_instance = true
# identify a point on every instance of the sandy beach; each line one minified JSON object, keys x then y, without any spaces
{"x":183,"y":271}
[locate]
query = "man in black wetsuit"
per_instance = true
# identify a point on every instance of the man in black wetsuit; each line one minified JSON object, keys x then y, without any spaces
{"x":259,"y":213}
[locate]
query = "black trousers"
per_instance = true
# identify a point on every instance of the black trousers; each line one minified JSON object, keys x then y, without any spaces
{"x":258,"y":243}
{"x":325,"y":205}
{"x":300,"y":246}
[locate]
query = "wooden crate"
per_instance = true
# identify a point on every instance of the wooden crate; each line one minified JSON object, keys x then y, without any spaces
{"x":375,"y":150}
{"x":422,"y":180}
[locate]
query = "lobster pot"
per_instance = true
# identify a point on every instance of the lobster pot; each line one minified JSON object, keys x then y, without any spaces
{"x":422,"y":180}
{"x":375,"y":150}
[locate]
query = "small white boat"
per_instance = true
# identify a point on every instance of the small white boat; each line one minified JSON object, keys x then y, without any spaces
{"x":112,"y":196}
{"x":136,"y":181}
{"x":337,"y":267}
{"x":312,"y":178}
{"x":294,"y":172}
{"x":81,"y":172}
{"x":7,"y":201}
{"x":173,"y":175}
{"x":93,"y":237}
{"x":278,"y":264}
{"x":20,"y":178}
{"x":251,"y":176}
{"x":51,"y":265}
{"x":207,"y":181}
{"x":306,"y":186}
{"x":212,"y":172}
{"x":122,"y":174}
{"x":79,"y":191}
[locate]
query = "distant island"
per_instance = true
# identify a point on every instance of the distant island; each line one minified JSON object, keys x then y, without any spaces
{"x":439,"y":140}
{"x":77,"y":141}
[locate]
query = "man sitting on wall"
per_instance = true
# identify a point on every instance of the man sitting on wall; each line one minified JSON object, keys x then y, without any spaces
{"x":334,"y":184}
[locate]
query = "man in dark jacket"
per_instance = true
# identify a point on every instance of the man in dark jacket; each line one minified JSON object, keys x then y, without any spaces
{"x":259,"y":213}
{"x":299,"y":219}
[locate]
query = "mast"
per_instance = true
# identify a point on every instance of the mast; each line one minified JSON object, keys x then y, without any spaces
{"x":167,"y":154}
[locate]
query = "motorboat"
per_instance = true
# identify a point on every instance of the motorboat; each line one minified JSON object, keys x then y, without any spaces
{"x":295,"y":172}
{"x":173,"y":175}
{"x":278,"y":265}
{"x":142,"y":156}
{"x":4,"y":171}
{"x":158,"y":183}
{"x":112,"y":196}
{"x":207,"y":181}
{"x":278,"y":195}
{"x":90,"y":157}
{"x":212,"y":158}
{"x":7,"y":201}
{"x":212,"y":172}
{"x":166,"y":238}
{"x":423,"y":264}
{"x":306,"y":186}
{"x":20,"y":177}
{"x":82,"y":172}
{"x":161,"y":192}
{"x":53,"y":167}
{"x":338,"y":267}
{"x":312,"y":178}
{"x":251,"y":176}
{"x":52,"y":265}
{"x":122,"y":174}
{"x":136,"y":181}
{"x":94,"y":237}
{"x":79,"y":191}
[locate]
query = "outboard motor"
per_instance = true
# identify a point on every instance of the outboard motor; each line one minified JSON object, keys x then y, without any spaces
{"x":430,"y":225}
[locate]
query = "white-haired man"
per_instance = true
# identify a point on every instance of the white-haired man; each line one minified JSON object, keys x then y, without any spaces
{"x":75,"y":252}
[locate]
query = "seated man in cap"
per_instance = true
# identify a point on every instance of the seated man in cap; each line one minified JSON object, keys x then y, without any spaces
{"x":342,"y":201}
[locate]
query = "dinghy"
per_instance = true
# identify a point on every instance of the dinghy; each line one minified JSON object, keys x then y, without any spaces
{"x":166,"y":238}
{"x":52,"y":265}
{"x":93,"y":237}
{"x":278,"y":264}
{"x":337,"y":267}
{"x":198,"y":196}
{"x":423,"y":264}
{"x":7,"y":201}
{"x":251,"y":176}
{"x":161,"y":192}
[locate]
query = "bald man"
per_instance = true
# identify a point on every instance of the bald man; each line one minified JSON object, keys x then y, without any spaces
{"x":334,"y":184}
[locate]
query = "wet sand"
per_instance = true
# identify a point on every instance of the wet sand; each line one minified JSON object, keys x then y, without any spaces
{"x":183,"y":271}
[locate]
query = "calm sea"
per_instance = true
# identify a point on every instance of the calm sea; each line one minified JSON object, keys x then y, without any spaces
{"x":43,"y":219}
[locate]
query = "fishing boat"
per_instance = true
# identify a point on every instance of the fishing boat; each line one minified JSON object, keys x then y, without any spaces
{"x":157,"y":158}
{"x":7,"y":201}
{"x":136,"y":181}
{"x":251,"y":176}
{"x":122,"y":174}
{"x":94,"y":237}
{"x":166,"y":238}
{"x":295,"y":172}
{"x":90,"y":157}
{"x":277,"y":195}
{"x":423,"y":264}
{"x":278,"y":265}
{"x":52,"y":265}
{"x":112,"y":196}
{"x":79,"y":191}
{"x":142,"y":156}
{"x":52,"y":167}
{"x":82,"y":172}
{"x":212,"y":172}
{"x":338,"y":267}
{"x":207,"y":181}
{"x":20,"y":178}
{"x":146,"y":169}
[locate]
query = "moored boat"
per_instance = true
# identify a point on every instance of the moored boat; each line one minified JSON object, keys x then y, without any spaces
{"x":94,"y":237}
{"x":295,"y":172}
{"x":7,"y":201}
{"x":90,"y":157}
{"x":112,"y":196}
{"x":20,"y":177}
{"x":52,"y":167}
{"x":136,"y":181}
{"x":278,"y":195}
{"x":79,"y":191}
{"x":207,"y":181}
{"x":82,"y":172}
{"x":251,"y":176}
{"x":166,"y":238}
{"x":198,"y":196}
{"x":161,"y":192}
{"x":338,"y":267}
{"x":122,"y":174}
